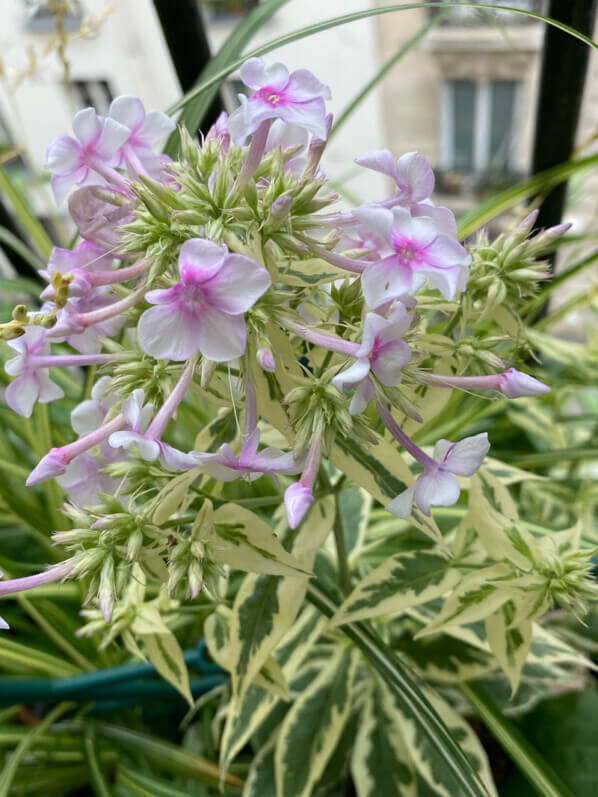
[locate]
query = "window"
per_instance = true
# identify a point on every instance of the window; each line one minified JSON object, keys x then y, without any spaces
{"x":41,"y":17}
{"x":96,"y":93}
{"x":472,"y":16}
{"x":478,"y":126}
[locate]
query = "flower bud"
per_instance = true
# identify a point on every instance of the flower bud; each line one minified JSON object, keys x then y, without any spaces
{"x":297,"y":500}
{"x":515,"y":384}
{"x":265,"y":359}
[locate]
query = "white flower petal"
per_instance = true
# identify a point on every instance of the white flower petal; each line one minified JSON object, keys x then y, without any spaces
{"x":465,"y":457}
{"x":127,"y":110}
{"x":87,"y":126}
{"x":402,"y":505}
{"x":221,"y":337}
{"x":237,"y":286}
{"x":166,"y":333}
{"x":436,"y":488}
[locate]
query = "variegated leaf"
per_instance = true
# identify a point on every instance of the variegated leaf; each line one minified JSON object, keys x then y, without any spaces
{"x":475,"y":598}
{"x":166,"y":655}
{"x":445,"y":659}
{"x":217,"y":636}
{"x":308,"y":273}
{"x":313,"y":726}
{"x":510,"y":644}
{"x":380,"y":764}
{"x":402,"y":581}
{"x":244,"y":541}
{"x":260,"y":781}
{"x":266,"y":606}
{"x":427,"y":762}
{"x":246,"y":715}
{"x":169,"y":499}
{"x":354,"y":505}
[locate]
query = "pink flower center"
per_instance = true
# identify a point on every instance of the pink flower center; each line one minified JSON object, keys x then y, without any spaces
{"x":406,"y":249}
{"x":190,"y":296}
{"x":271,"y":96}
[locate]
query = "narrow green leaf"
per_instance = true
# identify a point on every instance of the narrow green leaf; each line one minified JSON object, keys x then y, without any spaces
{"x":384,"y":70}
{"x":27,"y":742}
{"x":510,"y":644}
{"x":261,"y":779}
{"x":96,"y":776}
{"x":345,"y":19}
{"x":537,"y":771}
{"x":26,"y":218}
{"x":195,"y":111}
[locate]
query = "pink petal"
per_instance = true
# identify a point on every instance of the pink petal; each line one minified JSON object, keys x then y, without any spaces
{"x":418,"y":231}
{"x":373,"y":326}
{"x":402,"y":505}
{"x":48,"y":390}
{"x":381,"y":160}
{"x":392,"y":358}
{"x":379,"y":220}
{"x":63,"y":156}
{"x":87,"y":126}
{"x":447,"y":280}
{"x":175,"y":460}
{"x":514,"y":384}
{"x":166,"y":333}
{"x":238,"y":285}
{"x":364,"y":393}
{"x":414,"y":171}
{"x":437,"y":488}
{"x":303,"y":85}
{"x":285,"y":136}
{"x":465,"y":457}
{"x":297,"y":500}
{"x":113,"y":136}
{"x":127,"y":110}
{"x":385,"y":280}
{"x":157,"y":125}
{"x":131,"y":407}
{"x":352,"y":375}
{"x":255,"y":75}
{"x":221,"y":337}
{"x":200,"y":259}
{"x":87,"y":416}
{"x":445,"y":252}
{"x":443,"y":218}
{"x":21,"y":395}
{"x":310,"y":115}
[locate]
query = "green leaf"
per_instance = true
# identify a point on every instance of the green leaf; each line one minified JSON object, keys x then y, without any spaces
{"x":261,"y":779}
{"x":384,"y":70}
{"x":96,"y":775}
{"x":195,"y":110}
{"x":170,"y":498}
{"x":147,"y":785}
{"x":354,"y":506}
{"x":411,"y":698}
{"x":247,"y":714}
{"x":427,"y":761}
{"x":266,"y":606}
{"x":380,"y":763}
{"x":510,"y":644}
{"x":216,"y":79}
{"x":400,"y":582}
{"x":313,"y":726}
{"x":378,"y":468}
{"x":166,"y":655}
{"x":33,"y":228}
{"x":444,"y":659}
{"x":537,"y":771}
{"x":244,"y":541}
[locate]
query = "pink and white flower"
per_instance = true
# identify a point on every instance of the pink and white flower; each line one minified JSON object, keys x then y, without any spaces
{"x":295,"y":98}
{"x":511,"y":383}
{"x":90,"y":157}
{"x":414,"y":179}
{"x":250,"y":465}
{"x":99,"y":214}
{"x":437,"y":484}
{"x":33,"y":381}
{"x":420,"y":252}
{"x":299,"y":496}
{"x":204,"y":311}
{"x":145,"y":131}
{"x":382,"y":352}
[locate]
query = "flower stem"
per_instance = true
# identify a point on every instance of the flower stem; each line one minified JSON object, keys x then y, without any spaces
{"x":400,"y":436}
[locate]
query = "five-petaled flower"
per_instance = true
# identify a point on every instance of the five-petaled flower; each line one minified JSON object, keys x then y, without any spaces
{"x":33,"y":381}
{"x":204,"y":311}
{"x":437,"y":485}
{"x":145,"y":131}
{"x":382,"y":352}
{"x":88,"y":158}
{"x":296,"y":98}
{"x":420,"y":252}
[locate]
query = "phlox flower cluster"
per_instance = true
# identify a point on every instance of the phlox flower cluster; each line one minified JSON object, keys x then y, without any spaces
{"x":191,"y":271}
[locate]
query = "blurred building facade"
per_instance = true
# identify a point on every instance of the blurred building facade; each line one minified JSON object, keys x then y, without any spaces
{"x":463,"y":95}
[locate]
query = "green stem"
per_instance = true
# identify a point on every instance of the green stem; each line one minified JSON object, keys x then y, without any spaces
{"x":539,"y":774}
{"x":344,"y":573}
{"x":52,"y":490}
{"x":34,"y":229}
{"x":96,"y":776}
